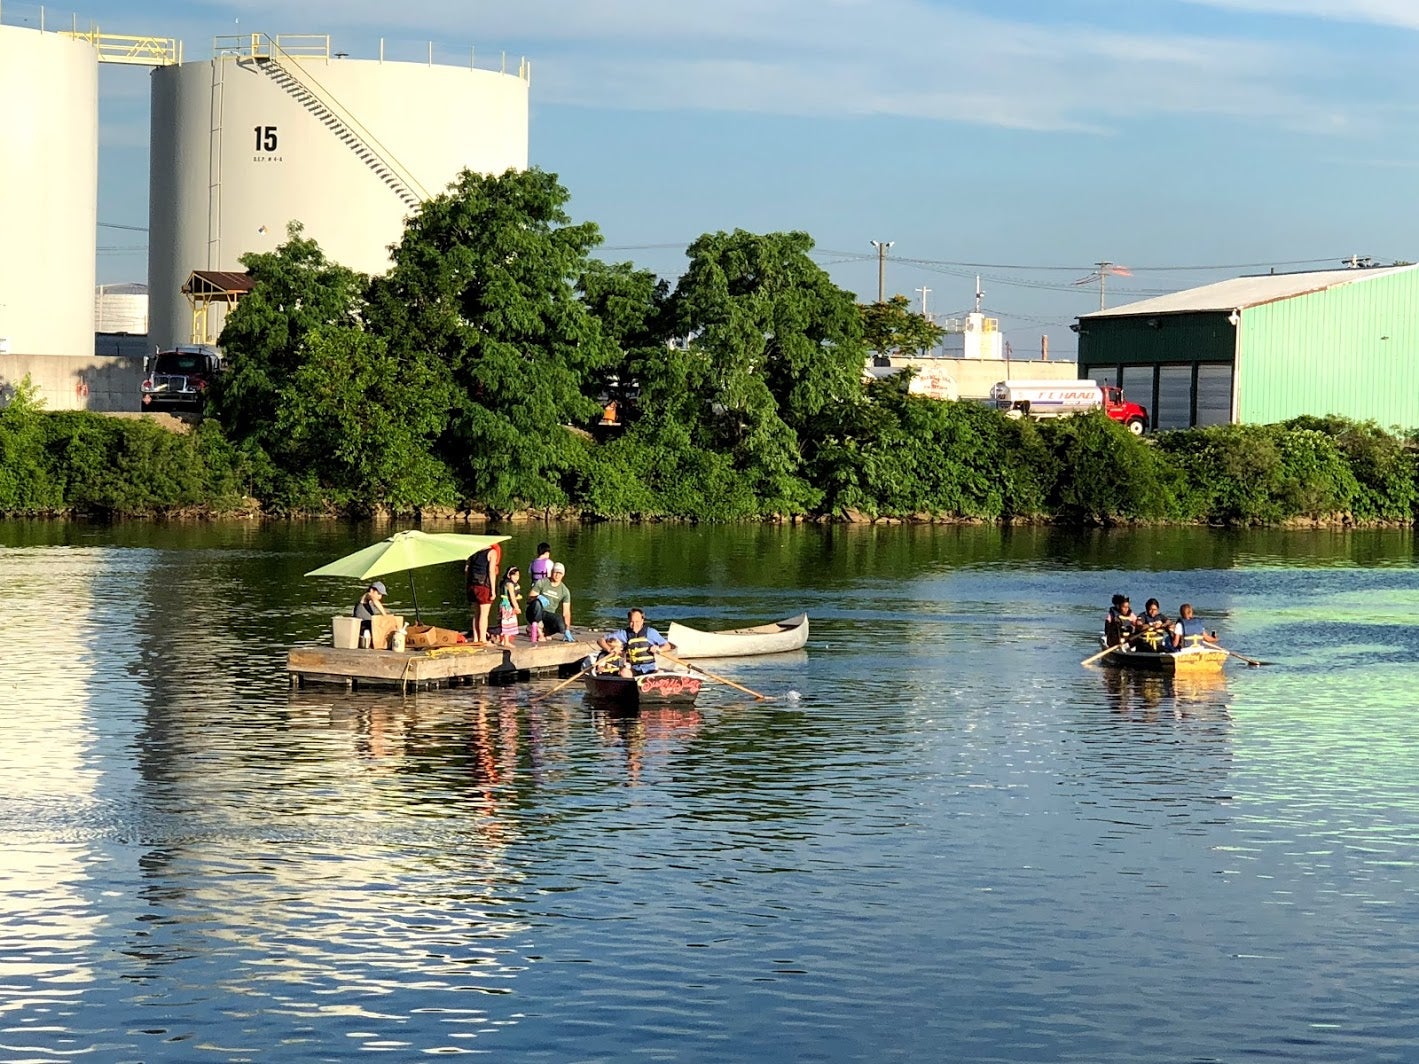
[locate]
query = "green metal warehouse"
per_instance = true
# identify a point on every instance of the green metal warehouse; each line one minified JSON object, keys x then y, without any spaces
{"x":1267,"y":348}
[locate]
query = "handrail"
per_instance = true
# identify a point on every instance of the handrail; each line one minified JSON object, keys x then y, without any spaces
{"x":249,"y":45}
{"x":130,"y":49}
{"x":342,"y":113}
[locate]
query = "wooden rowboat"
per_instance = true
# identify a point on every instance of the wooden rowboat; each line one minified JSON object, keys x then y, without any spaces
{"x":651,"y":689}
{"x":776,"y":638}
{"x":1189,"y":662}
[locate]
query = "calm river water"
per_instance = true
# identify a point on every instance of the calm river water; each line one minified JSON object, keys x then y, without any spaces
{"x":942,"y":840}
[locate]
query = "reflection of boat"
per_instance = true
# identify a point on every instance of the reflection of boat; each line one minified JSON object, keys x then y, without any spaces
{"x":651,"y":689}
{"x":1189,"y":662}
{"x":775,"y":638}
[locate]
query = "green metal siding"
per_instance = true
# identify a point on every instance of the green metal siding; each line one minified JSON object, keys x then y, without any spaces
{"x":1352,"y":351}
{"x":1154,"y":339}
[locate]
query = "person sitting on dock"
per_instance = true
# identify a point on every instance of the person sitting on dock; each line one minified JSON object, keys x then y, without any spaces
{"x":1190,"y":632}
{"x":612,"y":659}
{"x":1151,"y":628}
{"x":642,"y":642}
{"x":371,"y":604}
{"x":549,"y":604}
{"x":1118,"y":621}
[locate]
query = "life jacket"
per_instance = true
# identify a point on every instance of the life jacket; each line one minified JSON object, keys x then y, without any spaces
{"x":1152,"y":638}
{"x":1114,"y":624}
{"x":1192,"y":632}
{"x":638,"y":649}
{"x":609,"y":664}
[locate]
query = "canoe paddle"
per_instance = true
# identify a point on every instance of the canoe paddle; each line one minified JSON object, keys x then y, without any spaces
{"x":1096,"y":657}
{"x":712,"y":676}
{"x":1242,"y":657}
{"x":564,"y":683}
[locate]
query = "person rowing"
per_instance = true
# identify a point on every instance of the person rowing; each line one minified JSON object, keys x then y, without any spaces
{"x":1189,"y":633}
{"x":1150,"y":628}
{"x":642,"y":642}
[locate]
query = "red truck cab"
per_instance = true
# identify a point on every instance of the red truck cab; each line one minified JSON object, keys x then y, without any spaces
{"x":1133,"y":416}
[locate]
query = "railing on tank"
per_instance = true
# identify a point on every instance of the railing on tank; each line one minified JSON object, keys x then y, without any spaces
{"x":263,"y":47}
{"x":130,"y":49}
{"x":266,"y":46}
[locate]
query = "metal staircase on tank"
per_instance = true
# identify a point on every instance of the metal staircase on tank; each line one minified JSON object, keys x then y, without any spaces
{"x":282,"y":65}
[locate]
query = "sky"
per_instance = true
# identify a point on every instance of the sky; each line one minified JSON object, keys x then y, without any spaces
{"x":1021,"y":140}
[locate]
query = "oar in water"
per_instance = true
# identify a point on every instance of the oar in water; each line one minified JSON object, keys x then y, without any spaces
{"x":1242,"y":657}
{"x":564,"y":683}
{"x":712,"y":676}
{"x":1096,"y":657}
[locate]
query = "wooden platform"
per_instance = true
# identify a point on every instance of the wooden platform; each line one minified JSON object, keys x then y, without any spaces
{"x":444,"y":667}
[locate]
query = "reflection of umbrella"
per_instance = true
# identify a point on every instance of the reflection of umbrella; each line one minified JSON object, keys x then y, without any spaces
{"x":408,"y":550}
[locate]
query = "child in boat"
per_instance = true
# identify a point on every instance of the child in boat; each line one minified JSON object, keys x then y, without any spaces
{"x":1118,"y":622}
{"x":612,"y":661}
{"x":1189,"y":632}
{"x":1151,"y":628}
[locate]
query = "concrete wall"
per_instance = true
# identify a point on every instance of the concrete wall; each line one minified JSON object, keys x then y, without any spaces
{"x":236,"y":155}
{"x":49,"y":128}
{"x":69,"y":383}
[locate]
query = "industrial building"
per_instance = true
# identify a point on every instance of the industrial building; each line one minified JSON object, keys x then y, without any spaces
{"x":275,"y":129}
{"x":1266,"y":348}
{"x":270,"y":130}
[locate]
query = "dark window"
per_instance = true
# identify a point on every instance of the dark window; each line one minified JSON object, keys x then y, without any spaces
{"x":1214,"y":394}
{"x":1137,"y":384}
{"x":1174,"y":398}
{"x":180,"y":364}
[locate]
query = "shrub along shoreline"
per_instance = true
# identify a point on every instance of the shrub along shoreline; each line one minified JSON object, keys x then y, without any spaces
{"x":947,"y":462}
{"x":473,"y":374}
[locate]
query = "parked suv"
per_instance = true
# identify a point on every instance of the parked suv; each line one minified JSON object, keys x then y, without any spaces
{"x":179,"y":379}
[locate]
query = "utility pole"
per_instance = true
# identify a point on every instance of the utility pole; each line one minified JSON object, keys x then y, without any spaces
{"x":882,"y":246}
{"x":1103,"y":273}
{"x":924,"y":293}
{"x":979,"y":294}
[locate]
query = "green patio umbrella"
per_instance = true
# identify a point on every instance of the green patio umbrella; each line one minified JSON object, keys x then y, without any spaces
{"x":406,"y":551}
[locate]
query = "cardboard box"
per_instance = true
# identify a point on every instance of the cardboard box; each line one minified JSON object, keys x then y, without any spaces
{"x":346,"y":632}
{"x":382,"y":628}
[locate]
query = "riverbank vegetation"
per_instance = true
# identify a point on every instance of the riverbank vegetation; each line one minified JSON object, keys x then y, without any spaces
{"x":474,"y":374}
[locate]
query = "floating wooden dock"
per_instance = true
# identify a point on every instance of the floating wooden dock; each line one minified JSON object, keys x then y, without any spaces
{"x":441,"y":667}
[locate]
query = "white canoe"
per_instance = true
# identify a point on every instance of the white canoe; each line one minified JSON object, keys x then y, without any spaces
{"x":776,"y":638}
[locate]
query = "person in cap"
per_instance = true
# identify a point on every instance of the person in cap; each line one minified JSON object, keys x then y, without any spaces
{"x":549,"y":604}
{"x":642,"y":642}
{"x":371,"y":604}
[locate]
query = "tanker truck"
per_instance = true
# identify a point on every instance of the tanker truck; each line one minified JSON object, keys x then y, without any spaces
{"x":1060,"y":398}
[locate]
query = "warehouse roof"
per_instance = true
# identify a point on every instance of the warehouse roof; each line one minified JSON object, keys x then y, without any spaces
{"x":1242,"y":292}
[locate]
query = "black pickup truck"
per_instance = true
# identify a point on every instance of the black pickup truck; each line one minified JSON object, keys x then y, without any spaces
{"x":179,"y":379}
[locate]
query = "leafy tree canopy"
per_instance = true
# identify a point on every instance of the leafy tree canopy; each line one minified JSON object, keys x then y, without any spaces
{"x":892,"y":327}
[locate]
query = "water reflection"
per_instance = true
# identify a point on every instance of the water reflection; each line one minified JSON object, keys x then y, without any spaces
{"x":955,"y":837}
{"x":1137,"y":695}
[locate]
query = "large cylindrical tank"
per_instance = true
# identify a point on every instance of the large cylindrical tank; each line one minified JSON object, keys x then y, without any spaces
{"x":242,"y":145}
{"x":121,"y":308}
{"x":49,"y":126}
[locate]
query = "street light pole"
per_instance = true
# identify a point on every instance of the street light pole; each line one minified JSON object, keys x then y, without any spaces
{"x":882,"y":246}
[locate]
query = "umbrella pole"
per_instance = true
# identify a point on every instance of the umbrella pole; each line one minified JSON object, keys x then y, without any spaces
{"x":415,"y":594}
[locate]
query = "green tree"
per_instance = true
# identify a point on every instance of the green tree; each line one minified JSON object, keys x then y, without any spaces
{"x":892,"y":327}
{"x":777,"y":346}
{"x":296,"y":290}
{"x":483,"y":293}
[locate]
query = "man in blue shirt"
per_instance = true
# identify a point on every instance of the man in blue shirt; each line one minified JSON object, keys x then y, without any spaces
{"x":641,"y":643}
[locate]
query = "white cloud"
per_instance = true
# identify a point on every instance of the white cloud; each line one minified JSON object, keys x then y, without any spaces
{"x":909,"y":58}
{"x":1400,"y":13}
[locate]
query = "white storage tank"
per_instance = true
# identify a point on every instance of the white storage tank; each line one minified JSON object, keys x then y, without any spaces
{"x":275,"y":130}
{"x":49,"y":126}
{"x":121,"y":308}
